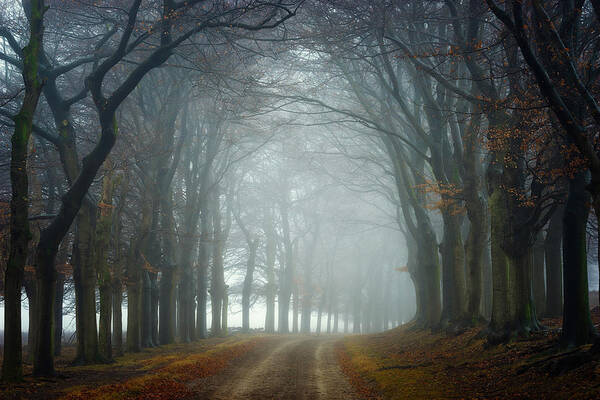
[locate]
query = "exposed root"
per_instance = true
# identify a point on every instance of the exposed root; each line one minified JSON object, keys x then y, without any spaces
{"x":558,"y":364}
{"x":427,"y":364}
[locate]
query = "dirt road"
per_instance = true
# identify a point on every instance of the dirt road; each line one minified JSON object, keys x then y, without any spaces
{"x":281,"y":368}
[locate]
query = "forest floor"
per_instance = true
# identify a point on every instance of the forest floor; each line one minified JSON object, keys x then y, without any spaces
{"x":236,"y":367}
{"x":405,"y":363}
{"x":401,"y":363}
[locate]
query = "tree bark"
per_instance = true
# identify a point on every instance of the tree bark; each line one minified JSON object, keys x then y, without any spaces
{"x":453,"y":275}
{"x":500,"y":298}
{"x":270,"y":287}
{"x":84,"y":279}
{"x":554,"y":273}
{"x":217,"y":284}
{"x":103,"y":239}
{"x":168,"y":280}
{"x":58,"y":314}
{"x":225,"y":311}
{"x":577,"y":327}
{"x":295,"y":307}
{"x":539,"y":275}
{"x":12,"y":369}
{"x":203,"y":266}
{"x":247,"y":288}
{"x":117,"y":297}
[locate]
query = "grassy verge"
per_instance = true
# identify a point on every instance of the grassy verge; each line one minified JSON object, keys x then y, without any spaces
{"x":168,"y":376}
{"x":164,"y":373}
{"x":405,"y":363}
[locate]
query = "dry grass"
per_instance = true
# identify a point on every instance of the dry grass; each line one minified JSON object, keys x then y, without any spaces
{"x":163,"y":373}
{"x":405,"y":363}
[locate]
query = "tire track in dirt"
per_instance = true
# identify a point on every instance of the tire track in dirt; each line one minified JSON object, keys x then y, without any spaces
{"x":286,"y":367}
{"x":333,"y":384}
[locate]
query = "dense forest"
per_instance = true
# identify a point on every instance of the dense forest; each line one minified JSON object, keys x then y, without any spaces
{"x":192,"y":171}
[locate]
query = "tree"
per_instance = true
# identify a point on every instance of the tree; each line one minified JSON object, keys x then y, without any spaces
{"x":12,"y":369}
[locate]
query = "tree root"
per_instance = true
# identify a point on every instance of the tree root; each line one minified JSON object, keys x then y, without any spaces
{"x":558,"y":364}
{"x":427,"y":364}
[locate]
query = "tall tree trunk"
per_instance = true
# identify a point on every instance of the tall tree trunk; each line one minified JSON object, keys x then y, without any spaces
{"x":487,"y":281}
{"x":186,"y":297}
{"x":524,"y":318}
{"x":225,"y":311}
{"x":320,"y":311}
{"x":12,"y":368}
{"x":539,"y":275}
{"x":168,"y":281}
{"x":217,"y":284}
{"x":387,"y":299}
{"x":204,"y":251}
{"x":577,"y":327}
{"x":356,"y":302}
{"x":284,"y":302}
{"x":59,"y":296}
{"x":554,"y":273}
{"x":500,"y":320}
{"x":151,"y":258}
{"x":476,"y":244}
{"x":453,"y":275}
{"x":31,"y":292}
{"x":117,"y":297}
{"x":335,"y":316}
{"x":43,"y":357}
{"x":135,"y":270}
{"x":154,"y":297}
{"x":270,"y":287}
{"x":295,"y":307}
{"x":167,"y":318}
{"x":103,"y":239}
{"x":329,"y":309}
{"x":247,"y":288}
{"x":347,"y":317}
{"x":287,"y":275}
{"x":134,"y":311}
{"x":58,"y":314}
{"x":475,"y":247}
{"x":84,"y":279}
{"x":306,"y":301}
{"x":146,"y":328}
{"x":428,"y":263}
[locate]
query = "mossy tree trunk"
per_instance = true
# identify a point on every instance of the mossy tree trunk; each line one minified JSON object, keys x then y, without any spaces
{"x":12,"y":369}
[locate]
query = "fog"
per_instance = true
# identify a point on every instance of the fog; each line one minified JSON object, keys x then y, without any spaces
{"x":186,"y":172}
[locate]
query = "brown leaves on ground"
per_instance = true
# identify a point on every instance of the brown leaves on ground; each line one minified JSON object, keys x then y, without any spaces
{"x":173,"y":379}
{"x":162,"y":373}
{"x":406,"y":363}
